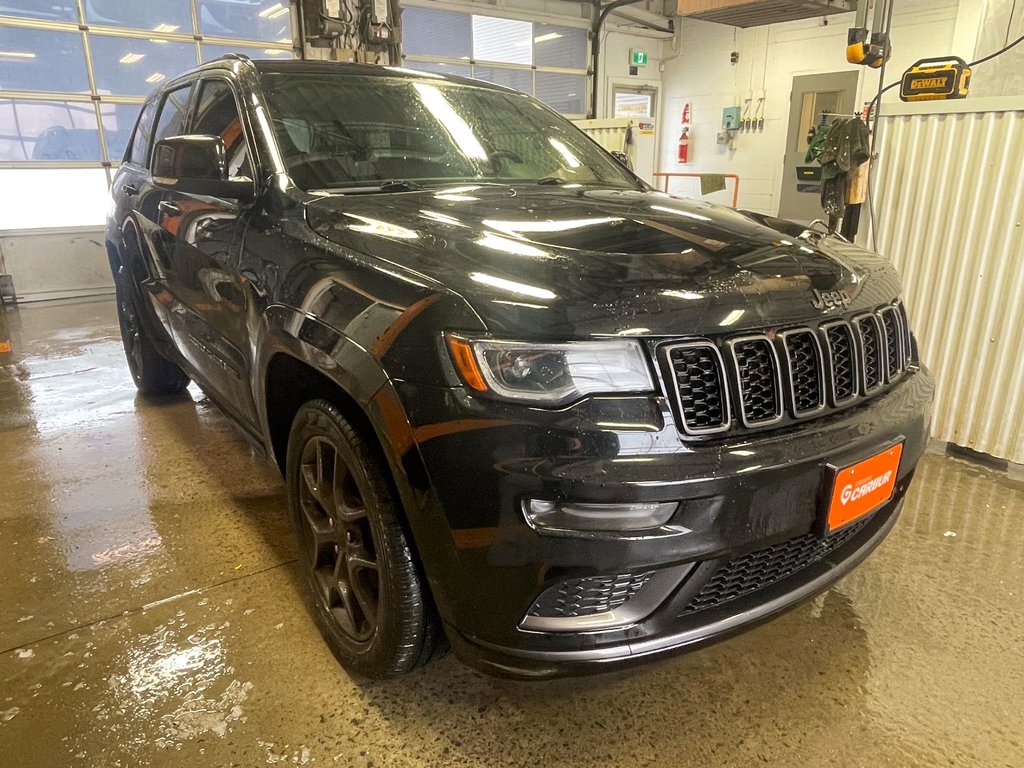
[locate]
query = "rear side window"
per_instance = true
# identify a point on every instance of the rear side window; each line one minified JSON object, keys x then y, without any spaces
{"x":138,"y":153}
{"x":217,"y":115}
{"x":172,"y":114}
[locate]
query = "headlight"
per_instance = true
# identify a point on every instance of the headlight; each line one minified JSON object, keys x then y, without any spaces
{"x":550,"y":374}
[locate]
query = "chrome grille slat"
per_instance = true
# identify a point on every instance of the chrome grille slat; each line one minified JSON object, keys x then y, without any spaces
{"x":901,"y":310}
{"x":751,"y":382}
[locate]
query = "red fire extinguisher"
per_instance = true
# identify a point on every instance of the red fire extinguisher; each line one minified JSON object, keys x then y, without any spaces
{"x":684,"y":136}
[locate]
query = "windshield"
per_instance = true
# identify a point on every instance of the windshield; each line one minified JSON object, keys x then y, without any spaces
{"x":341,"y":130}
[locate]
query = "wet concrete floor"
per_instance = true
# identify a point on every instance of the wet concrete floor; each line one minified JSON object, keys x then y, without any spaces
{"x":151,"y":614}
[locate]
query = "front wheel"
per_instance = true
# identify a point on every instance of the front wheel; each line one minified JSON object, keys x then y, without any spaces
{"x":154,"y":375}
{"x":368,"y":597}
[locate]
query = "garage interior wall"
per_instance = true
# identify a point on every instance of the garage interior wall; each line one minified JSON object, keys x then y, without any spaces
{"x":952,"y":167}
{"x":769,"y":58}
{"x":72,"y":76}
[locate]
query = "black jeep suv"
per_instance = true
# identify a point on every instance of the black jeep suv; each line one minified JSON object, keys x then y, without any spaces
{"x":521,"y":400}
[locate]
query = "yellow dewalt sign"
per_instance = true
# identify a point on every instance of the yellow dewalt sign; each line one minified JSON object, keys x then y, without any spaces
{"x":950,"y":79}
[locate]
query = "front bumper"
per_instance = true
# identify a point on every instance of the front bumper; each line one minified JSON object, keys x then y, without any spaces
{"x":710,"y":626}
{"x":487,"y":566}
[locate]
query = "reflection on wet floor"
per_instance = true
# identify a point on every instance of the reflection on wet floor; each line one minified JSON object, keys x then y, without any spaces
{"x":150,"y":614}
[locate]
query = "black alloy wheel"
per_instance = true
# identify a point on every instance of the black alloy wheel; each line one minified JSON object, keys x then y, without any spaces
{"x":337,"y":539}
{"x":372,"y":606}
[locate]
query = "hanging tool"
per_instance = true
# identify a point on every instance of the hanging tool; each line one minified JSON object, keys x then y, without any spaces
{"x":863,"y":46}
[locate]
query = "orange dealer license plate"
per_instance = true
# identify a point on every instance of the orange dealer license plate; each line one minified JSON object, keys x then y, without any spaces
{"x":861,"y":488}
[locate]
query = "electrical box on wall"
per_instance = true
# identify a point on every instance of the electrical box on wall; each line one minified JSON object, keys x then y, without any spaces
{"x":731,"y":119}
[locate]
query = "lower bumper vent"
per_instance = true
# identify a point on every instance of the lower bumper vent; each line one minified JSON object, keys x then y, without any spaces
{"x":589,"y":596}
{"x":756,"y":570}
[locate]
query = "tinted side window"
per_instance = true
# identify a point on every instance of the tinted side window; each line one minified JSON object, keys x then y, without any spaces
{"x":138,"y":153}
{"x":217,"y":115}
{"x":172,"y":114}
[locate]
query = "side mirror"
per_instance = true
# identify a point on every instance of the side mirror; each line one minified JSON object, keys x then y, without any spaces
{"x":197,"y":165}
{"x":623,"y":159}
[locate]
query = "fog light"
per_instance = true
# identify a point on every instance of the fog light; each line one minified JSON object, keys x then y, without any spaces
{"x":576,"y":516}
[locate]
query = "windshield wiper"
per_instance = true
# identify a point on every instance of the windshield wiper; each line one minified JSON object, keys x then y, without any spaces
{"x":399,"y":185}
{"x":392,"y":185}
{"x":551,"y":181}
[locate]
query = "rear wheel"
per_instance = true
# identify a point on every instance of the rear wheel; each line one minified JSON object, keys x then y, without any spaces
{"x":368,"y":598}
{"x":154,"y":375}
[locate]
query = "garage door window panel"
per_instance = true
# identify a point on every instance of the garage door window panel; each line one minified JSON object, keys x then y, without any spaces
{"x":268,"y":20}
{"x":564,"y":93}
{"x":52,"y":10}
{"x":442,"y":68}
{"x":429,"y":32}
{"x":557,"y":46}
{"x":508,"y":41}
{"x":520,"y":79}
{"x":126,"y":66}
{"x":545,"y":60}
{"x":213,"y":52}
{"x":166,"y":16}
{"x":42,"y":60}
{"x":48,"y":131}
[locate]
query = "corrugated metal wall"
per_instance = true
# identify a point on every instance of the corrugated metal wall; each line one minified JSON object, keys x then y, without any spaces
{"x":949,"y":202}
{"x":609,"y":133}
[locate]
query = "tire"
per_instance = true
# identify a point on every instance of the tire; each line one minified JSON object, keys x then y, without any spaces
{"x":154,"y":375}
{"x":372,"y":607}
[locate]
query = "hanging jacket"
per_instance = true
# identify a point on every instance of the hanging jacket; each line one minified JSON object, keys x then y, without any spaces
{"x":846,"y":146}
{"x":816,"y":144}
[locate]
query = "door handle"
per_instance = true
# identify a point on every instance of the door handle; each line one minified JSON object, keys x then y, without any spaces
{"x":169,"y":208}
{"x":130,"y":189}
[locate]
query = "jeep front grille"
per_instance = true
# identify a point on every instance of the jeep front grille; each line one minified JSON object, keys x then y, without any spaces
{"x":755,"y":381}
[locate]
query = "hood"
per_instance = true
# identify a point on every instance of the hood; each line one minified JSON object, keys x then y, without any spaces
{"x":555,"y":262}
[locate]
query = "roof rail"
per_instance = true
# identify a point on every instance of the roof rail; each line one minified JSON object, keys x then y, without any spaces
{"x":234,"y":57}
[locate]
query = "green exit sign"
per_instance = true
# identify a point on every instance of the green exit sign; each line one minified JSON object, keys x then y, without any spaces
{"x":638,"y":58}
